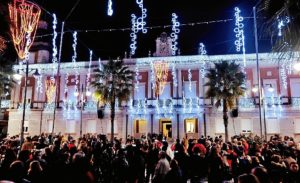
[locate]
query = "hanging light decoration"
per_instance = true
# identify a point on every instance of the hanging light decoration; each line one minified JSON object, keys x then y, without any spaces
{"x":133,"y":34}
{"x":110,"y":11}
{"x":174,"y":75}
{"x":88,"y":77}
{"x":24,"y":16}
{"x":66,"y":83}
{"x":202,"y":51}
{"x":140,"y":21}
{"x":74,"y":58}
{"x":190,"y":79}
{"x":282,"y":22}
{"x":175,"y":32}
{"x":137,"y":74}
{"x":239,"y":34}
{"x":2,"y":44}
{"x":54,"y":48}
{"x":39,"y":83}
{"x":161,"y":75}
{"x":152,"y":75}
{"x":50,"y":91}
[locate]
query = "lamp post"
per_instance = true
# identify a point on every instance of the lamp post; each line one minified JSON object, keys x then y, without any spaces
{"x":18,"y":76}
{"x":86,"y":91}
{"x":262,"y":99}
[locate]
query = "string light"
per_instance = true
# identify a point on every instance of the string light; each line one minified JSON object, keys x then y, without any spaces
{"x":110,"y":11}
{"x":281,"y":24}
{"x":39,"y":87}
{"x":136,"y":78}
{"x":140,"y":21}
{"x":2,"y":44}
{"x":66,"y":83}
{"x":74,"y":58}
{"x":190,"y":79}
{"x":54,"y":48}
{"x":88,"y":78}
{"x":24,"y":16}
{"x":175,"y":32}
{"x":283,"y":76}
{"x":174,"y":75}
{"x":100,"y":68}
{"x":202,"y":51}
{"x":239,"y":34}
{"x":152,"y":75}
{"x":133,"y":35}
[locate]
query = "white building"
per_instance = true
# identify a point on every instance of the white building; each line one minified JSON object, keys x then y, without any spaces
{"x":180,"y":109}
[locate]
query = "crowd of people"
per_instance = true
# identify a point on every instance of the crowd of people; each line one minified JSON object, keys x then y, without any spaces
{"x":92,"y":158}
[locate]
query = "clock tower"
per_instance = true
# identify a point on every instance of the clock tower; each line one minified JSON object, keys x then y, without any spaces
{"x":163,"y":46}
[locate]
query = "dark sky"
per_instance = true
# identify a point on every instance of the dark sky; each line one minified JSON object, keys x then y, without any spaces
{"x":91,"y":14}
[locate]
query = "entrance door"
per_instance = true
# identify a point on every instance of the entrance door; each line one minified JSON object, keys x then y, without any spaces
{"x":166,"y":128}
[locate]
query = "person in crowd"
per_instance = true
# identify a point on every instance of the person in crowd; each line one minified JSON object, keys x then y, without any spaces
{"x":161,"y":169}
{"x":35,"y":172}
{"x":248,"y":178}
{"x":174,"y":175}
{"x":261,"y":174}
{"x":94,"y":159}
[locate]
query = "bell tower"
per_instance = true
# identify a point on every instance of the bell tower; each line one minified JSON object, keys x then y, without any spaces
{"x":163,"y":46}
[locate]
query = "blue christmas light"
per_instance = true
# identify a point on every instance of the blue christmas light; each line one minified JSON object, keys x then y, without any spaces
{"x":174,"y":74}
{"x":140,"y":21}
{"x":137,"y":74}
{"x":54,"y":48}
{"x":175,"y":32}
{"x":239,"y":34}
{"x":110,"y":11}
{"x":190,"y":79}
{"x":74,"y":57}
{"x":202,"y":51}
{"x":133,"y":34}
{"x":282,"y":23}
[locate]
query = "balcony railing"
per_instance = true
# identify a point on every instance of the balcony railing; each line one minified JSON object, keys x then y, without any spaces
{"x":244,"y":103}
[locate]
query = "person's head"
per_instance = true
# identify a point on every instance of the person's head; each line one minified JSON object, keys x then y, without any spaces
{"x":34,"y":167}
{"x":162,"y":154}
{"x":248,"y":178}
{"x":16,"y":171}
{"x":294,"y":167}
{"x":174,"y":164}
{"x":261,"y":174}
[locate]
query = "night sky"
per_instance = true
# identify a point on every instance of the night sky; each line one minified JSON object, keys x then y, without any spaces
{"x":91,"y":14}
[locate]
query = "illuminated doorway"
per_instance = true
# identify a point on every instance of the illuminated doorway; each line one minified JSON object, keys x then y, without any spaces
{"x":166,"y":127}
{"x":139,"y":127}
{"x":191,"y":127}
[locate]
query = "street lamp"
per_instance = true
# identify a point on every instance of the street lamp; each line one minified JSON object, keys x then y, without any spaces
{"x":262,"y":99}
{"x":297,"y":66}
{"x":18,"y":76}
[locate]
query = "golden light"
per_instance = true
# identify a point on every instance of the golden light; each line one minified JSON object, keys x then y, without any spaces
{"x":24,"y":16}
{"x":50,"y":91}
{"x":161,"y":76}
{"x":2,"y":44}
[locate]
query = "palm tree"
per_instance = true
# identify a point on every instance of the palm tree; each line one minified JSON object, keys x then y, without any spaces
{"x":113,"y":82}
{"x":225,"y":84}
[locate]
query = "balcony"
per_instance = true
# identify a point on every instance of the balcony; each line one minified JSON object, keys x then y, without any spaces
{"x":175,"y":103}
